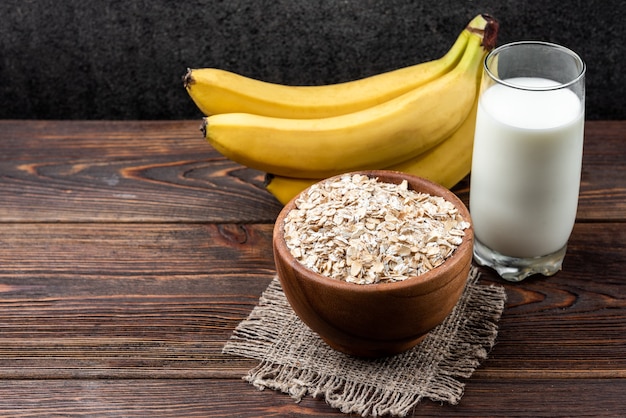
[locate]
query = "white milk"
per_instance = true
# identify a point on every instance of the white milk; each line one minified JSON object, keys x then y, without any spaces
{"x":526,"y":168}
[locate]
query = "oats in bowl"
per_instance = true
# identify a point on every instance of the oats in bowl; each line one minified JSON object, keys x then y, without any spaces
{"x":360,"y":230}
{"x":373,"y":227}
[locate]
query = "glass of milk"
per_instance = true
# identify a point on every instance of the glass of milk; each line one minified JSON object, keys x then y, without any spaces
{"x":526,"y":164}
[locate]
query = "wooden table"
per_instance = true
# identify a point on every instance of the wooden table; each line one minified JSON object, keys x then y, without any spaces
{"x":129,"y":251}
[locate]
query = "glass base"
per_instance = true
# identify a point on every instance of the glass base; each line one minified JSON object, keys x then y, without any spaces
{"x":516,"y":269}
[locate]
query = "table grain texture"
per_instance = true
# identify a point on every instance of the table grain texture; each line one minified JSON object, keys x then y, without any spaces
{"x":130,"y":250}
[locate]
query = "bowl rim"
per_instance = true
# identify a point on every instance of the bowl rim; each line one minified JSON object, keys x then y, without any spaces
{"x":280,"y":246}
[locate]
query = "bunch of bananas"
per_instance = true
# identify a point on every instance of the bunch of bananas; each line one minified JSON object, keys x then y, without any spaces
{"x":419,"y":119}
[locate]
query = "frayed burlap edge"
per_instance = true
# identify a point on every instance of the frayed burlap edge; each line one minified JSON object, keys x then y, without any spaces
{"x":295,"y":361}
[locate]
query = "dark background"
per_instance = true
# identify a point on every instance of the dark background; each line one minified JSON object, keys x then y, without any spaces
{"x":90,"y":59}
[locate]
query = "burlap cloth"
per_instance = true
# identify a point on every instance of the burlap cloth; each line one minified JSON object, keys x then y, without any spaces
{"x":294,"y":360}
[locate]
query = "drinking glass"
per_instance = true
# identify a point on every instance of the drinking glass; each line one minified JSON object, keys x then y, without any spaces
{"x":527,"y":158}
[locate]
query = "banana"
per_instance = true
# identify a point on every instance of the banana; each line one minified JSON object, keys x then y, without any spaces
{"x":449,"y":162}
{"x":446,"y":164}
{"x":379,"y":136}
{"x":216,"y":91}
{"x":285,"y":188}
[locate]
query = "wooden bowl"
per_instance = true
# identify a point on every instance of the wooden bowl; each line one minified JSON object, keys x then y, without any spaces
{"x":375,"y":320}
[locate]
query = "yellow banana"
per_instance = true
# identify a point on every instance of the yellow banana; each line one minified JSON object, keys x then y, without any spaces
{"x":285,"y":188}
{"x":217,"y":91}
{"x":449,"y":162}
{"x":446,"y":164}
{"x":379,"y":136}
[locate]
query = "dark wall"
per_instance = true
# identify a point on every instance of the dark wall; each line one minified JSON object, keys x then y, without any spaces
{"x":88,"y":59}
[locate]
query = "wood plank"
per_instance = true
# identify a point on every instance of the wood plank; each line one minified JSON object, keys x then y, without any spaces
{"x":127,"y":300}
{"x":146,"y":300}
{"x":603,"y":188}
{"x":228,"y":398}
{"x":164,"y":171}
{"x":71,"y":171}
{"x":121,"y":250}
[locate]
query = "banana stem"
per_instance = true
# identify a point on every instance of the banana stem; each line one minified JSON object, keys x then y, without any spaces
{"x":491,"y":33}
{"x":203,"y":126}
{"x":487,"y":27}
{"x":188,"y":78}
